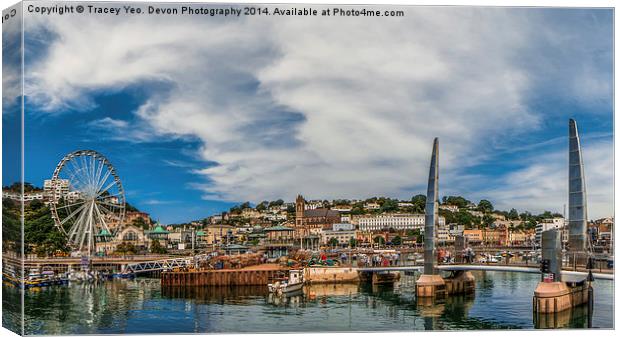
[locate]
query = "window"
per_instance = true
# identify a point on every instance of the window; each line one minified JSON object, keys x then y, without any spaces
{"x":130,"y":236}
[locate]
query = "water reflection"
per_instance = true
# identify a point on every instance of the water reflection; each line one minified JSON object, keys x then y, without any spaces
{"x":573,"y":318}
{"x":220,"y":295}
{"x":142,"y":306}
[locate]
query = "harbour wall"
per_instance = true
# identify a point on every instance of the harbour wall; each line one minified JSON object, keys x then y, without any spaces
{"x":223,"y":277}
{"x":331,"y":275}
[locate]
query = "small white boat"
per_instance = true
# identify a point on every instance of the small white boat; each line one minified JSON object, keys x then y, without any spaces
{"x":294,"y":282}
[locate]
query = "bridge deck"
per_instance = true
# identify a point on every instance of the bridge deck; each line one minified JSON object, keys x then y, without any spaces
{"x":516,"y":269}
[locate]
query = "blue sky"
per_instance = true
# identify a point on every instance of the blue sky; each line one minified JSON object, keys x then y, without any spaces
{"x":256,"y":109}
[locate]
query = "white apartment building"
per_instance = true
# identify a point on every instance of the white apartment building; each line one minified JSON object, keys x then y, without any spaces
{"x":547,"y":224}
{"x":443,"y":234}
{"x":62,"y":189}
{"x":62,"y":186}
{"x":343,"y":237}
{"x":395,"y":221}
{"x":26,"y":198}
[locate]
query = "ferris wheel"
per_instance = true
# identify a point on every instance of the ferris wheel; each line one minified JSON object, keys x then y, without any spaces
{"x":87,"y":198}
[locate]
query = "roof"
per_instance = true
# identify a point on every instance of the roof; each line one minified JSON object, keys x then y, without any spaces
{"x":233,"y":246}
{"x":256,"y":235}
{"x":159,"y":230}
{"x":104,"y":232}
{"x":320,"y":212}
{"x":279,"y":228}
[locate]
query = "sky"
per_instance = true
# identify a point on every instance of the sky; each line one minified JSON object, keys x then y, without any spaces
{"x":200,"y":113}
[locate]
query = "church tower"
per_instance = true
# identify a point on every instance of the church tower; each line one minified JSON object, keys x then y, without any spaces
{"x":300,"y":206}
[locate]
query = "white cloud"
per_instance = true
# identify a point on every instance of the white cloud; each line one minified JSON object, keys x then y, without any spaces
{"x":159,"y":202}
{"x":121,"y":130}
{"x":543,"y":184}
{"x":328,"y":108}
{"x":11,"y":61}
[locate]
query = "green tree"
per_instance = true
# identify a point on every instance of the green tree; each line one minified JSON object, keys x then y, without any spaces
{"x":126,"y":248}
{"x":487,"y":220}
{"x":353,"y":243}
{"x":513,"y":214}
{"x":11,"y":225}
{"x":140,"y":223}
{"x":419,"y":203}
{"x":333,"y":242}
{"x":40,"y":233}
{"x":157,"y":248}
{"x":290,"y":209}
{"x":389,"y":205}
{"x":397,"y":241}
{"x":237,"y":209}
{"x":358,"y":209}
{"x":413,"y":232}
{"x":278,"y":202}
{"x":525,"y":216}
{"x":262,"y":206}
{"x":485,"y":206}
{"x":456,"y":201}
{"x":379,"y":239}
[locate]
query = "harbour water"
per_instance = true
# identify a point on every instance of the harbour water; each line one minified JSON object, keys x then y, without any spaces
{"x":502,"y":301}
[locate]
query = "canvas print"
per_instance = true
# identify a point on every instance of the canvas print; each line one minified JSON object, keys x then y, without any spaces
{"x":233,"y":168}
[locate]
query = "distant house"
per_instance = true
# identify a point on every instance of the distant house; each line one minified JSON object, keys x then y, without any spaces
{"x":342,"y":236}
{"x":372,"y":206}
{"x":342,"y":208}
{"x":451,"y":208}
{"x":508,"y":223}
{"x":130,"y":217}
{"x":279,"y":241}
{"x":250,"y":213}
{"x":234,"y":249}
{"x":475,"y":213}
{"x":219,"y":234}
{"x":474,"y":236}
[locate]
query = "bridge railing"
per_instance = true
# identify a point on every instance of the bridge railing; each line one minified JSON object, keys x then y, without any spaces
{"x":157,"y":265}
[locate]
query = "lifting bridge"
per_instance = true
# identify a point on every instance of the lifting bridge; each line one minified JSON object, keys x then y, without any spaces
{"x":157,"y":265}
{"x":470,"y":267}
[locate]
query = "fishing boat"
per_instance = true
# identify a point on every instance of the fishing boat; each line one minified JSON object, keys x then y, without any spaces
{"x":45,"y":278}
{"x":293,"y":283}
{"x":9,"y":275}
{"x":123,"y":275}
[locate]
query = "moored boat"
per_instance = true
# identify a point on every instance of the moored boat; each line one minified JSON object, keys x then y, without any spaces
{"x":294,"y":282}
